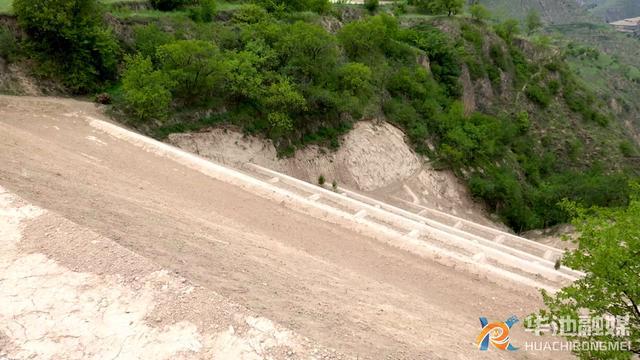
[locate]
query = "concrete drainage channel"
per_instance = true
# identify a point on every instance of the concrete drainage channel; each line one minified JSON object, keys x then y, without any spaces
{"x":505,"y":251}
{"x":517,"y":260}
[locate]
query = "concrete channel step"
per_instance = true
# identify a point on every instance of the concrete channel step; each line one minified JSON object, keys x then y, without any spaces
{"x":527,"y":260}
{"x":473,"y":231}
{"x":542,"y":250}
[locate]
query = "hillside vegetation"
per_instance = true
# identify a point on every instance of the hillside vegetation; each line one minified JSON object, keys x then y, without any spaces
{"x":505,"y":112}
{"x":552,"y":11}
{"x":557,"y":12}
{"x":609,"y":63}
{"x":612,"y":10}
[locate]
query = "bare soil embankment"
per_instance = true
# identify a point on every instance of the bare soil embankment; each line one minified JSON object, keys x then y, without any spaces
{"x":337,"y":288}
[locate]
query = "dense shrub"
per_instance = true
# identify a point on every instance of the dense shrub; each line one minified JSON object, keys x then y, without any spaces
{"x":537,"y":207}
{"x":250,"y":14}
{"x":280,"y":123}
{"x":579,"y":100}
{"x":319,"y":6}
{"x":204,"y":11}
{"x":533,"y":21}
{"x":473,"y":35}
{"x":479,"y":12}
{"x":524,"y":70}
{"x":147,"y":91}
{"x":367,"y":40}
{"x":410,"y":83}
{"x":243,"y":80}
{"x":195,"y":66}
{"x":538,"y":95}
{"x":554,"y":87}
{"x":402,"y":113}
{"x":70,"y":34}
{"x":8,"y":45}
{"x":499,"y":57}
{"x":508,"y":29}
{"x":371,"y":5}
{"x":399,"y":7}
{"x":282,"y":96}
{"x":148,"y":38}
{"x":443,"y":55}
{"x":307,"y":50}
{"x":167,"y":5}
{"x":355,"y":78}
{"x":448,"y":7}
{"x":476,"y":67}
{"x":494,"y":75}
{"x":627,"y":149}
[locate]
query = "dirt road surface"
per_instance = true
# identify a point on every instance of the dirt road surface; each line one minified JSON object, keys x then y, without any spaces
{"x":106,"y":246}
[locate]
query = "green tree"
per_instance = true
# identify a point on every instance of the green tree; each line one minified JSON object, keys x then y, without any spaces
{"x":367,"y":39}
{"x":146,"y":91}
{"x":307,"y":50}
{"x":280,"y":123}
{"x":479,"y":12}
{"x":149,"y":38}
{"x":444,"y":57}
{"x":355,"y":78}
{"x":508,"y":29}
{"x":71,"y":35}
{"x":196,"y":67}
{"x":609,"y":254}
{"x":283,"y":97}
{"x":533,"y":21}
{"x":204,"y":11}
{"x":244,"y":80}
{"x":250,"y":14}
{"x":449,"y":7}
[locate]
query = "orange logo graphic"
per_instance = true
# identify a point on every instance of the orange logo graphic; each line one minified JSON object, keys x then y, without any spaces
{"x":496,"y":334}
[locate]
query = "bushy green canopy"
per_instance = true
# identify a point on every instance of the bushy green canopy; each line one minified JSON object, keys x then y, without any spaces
{"x":609,"y":253}
{"x":73,"y":38}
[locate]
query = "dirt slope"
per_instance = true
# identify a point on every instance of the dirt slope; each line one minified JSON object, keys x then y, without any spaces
{"x":333,"y":286}
{"x":373,"y":158}
{"x":112,"y":303}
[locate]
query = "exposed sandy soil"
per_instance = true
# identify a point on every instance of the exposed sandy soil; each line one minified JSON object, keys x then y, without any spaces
{"x":373,"y":158}
{"x":560,"y":236}
{"x":332,"y":286}
{"x":112,"y":303}
{"x":373,"y":155}
{"x":14,"y":81}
